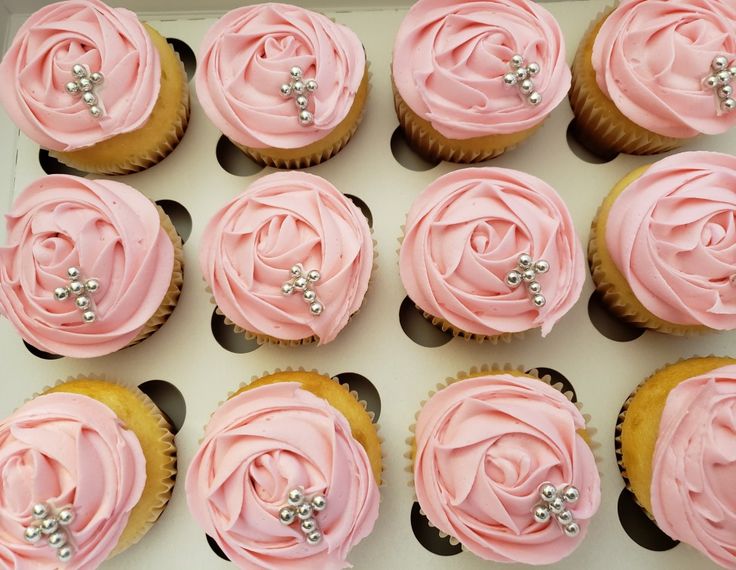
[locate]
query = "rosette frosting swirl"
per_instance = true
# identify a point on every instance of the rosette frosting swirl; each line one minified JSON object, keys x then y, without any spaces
{"x":109,"y":231}
{"x":450,"y":58}
{"x":694,"y":465}
{"x":484,"y":447}
{"x":651,"y":57}
{"x":465,"y":233}
{"x":257,"y":447}
{"x":245,"y":58}
{"x":67,"y":450}
{"x":672,"y":234}
{"x":38,"y":65}
{"x":281,"y":220}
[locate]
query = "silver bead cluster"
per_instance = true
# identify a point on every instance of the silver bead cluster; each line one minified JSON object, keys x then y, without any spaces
{"x":300,"y":88}
{"x":526,"y":272}
{"x":521,"y":77}
{"x":554,"y":504}
{"x":50,"y":523}
{"x":304,"y":281}
{"x":302,"y":509}
{"x":84,"y":85}
{"x":720,"y":78}
{"x":82,"y":291}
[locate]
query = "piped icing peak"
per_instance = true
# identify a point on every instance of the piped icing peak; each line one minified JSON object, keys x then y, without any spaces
{"x":489,"y":449}
{"x":111,"y":236}
{"x":672,"y":235}
{"x":259,"y":448}
{"x":467,"y":231}
{"x":40,"y":64}
{"x":694,"y":465}
{"x":246,"y":59}
{"x":450,"y":58}
{"x":53,"y":453}
{"x":651,"y":58}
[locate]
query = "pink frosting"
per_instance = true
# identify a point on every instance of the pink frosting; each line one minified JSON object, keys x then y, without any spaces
{"x":281,"y":220}
{"x":694,"y":465}
{"x":110,"y":232}
{"x":246,"y":57}
{"x":67,"y":450}
{"x":257,"y":447}
{"x":484,"y":448}
{"x":672,"y":235}
{"x":650,"y":59}
{"x":450,"y":57}
{"x":466,"y":231}
{"x":36,"y":68}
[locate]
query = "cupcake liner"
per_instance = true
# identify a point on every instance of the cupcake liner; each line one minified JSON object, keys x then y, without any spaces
{"x":601,"y":125}
{"x":141,"y":139}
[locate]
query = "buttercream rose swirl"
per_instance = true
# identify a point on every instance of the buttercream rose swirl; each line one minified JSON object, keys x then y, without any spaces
{"x":67,"y":450}
{"x":260,"y":445}
{"x":107,"y":230}
{"x":39,"y":64}
{"x":484,"y":447}
{"x":694,"y":465}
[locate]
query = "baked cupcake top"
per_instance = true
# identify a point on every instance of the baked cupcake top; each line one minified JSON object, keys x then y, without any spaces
{"x":671,"y":234}
{"x":86,"y":264}
{"x":651,"y":58}
{"x":694,"y":465}
{"x":493,"y":450}
{"x":460,"y":259}
{"x":451,"y":59}
{"x":244,"y":79}
{"x":66,"y":459}
{"x":271,"y":447}
{"x":66,"y":48}
{"x":286,"y":227}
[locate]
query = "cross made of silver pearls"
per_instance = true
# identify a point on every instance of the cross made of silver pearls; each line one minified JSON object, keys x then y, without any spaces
{"x":554,"y":504}
{"x":304,"y":281}
{"x":81,"y":290}
{"x":49,"y":523}
{"x":719,"y":79}
{"x":84,"y":85}
{"x":521,"y":77}
{"x":300,"y":88}
{"x":526,"y":272}
{"x":302,"y":509}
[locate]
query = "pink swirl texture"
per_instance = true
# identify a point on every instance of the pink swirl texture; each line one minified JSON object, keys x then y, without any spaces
{"x":672,"y":234}
{"x":281,"y":220}
{"x":450,"y":58}
{"x":465,"y":233}
{"x":246,"y":57}
{"x":107,"y":230}
{"x":694,"y":465}
{"x":38,"y":65}
{"x":257,"y":447}
{"x":484,"y":447}
{"x":67,"y":450}
{"x":651,"y":57}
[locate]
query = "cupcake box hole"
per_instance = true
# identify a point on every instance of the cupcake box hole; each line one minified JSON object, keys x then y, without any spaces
{"x":640,"y":528}
{"x":557,"y":378}
{"x":169,"y":400}
{"x":186,"y":54}
{"x":180,"y":217}
{"x":37,"y":352}
{"x":216,"y":548}
{"x":363,"y":207}
{"x":52,"y":166}
{"x":420,"y":329}
{"x":429,"y":536}
{"x":228,"y":339}
{"x":366,"y":390}
{"x":233,"y":160}
{"x":608,"y":324}
{"x":406,"y":156}
{"x":581,"y":147}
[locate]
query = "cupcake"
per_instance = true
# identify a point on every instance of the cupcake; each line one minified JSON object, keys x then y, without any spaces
{"x":491,"y":252}
{"x":472,"y":79}
{"x":89,"y":266}
{"x":287,"y":474}
{"x":101,"y":91}
{"x":284,"y":84}
{"x":663,"y":245}
{"x":678,"y":453}
{"x":502,"y":463}
{"x":288,"y":261}
{"x":87,"y":468}
{"x":650,"y":75}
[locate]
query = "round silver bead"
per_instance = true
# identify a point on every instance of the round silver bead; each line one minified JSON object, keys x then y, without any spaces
{"x":82,"y":302}
{"x":78,"y":70}
{"x":729,"y":104}
{"x":306,"y":118}
{"x":301,"y":101}
{"x":72,"y":88}
{"x":509,"y":79}
{"x":295,"y":72}
{"x":311,"y":85}
{"x":541,"y":266}
{"x":547,"y":492}
{"x":527,"y":86}
{"x":565,"y":517}
{"x":39,"y":511}
{"x":298,"y":87}
{"x":517,"y":61}
{"x":314,"y":537}
{"x":296,"y":497}
{"x":513,"y":279}
{"x":724,"y":77}
{"x":539,"y":301}
{"x":72,"y":272}
{"x":535,"y":287}
{"x":89,"y":98}
{"x":525,"y":261}
{"x":732,"y":71}
{"x":85,"y":84}
{"x":541,"y":514}
{"x":76,"y":287}
{"x":64,"y":554}
{"x":286,"y":90}
{"x":535,"y":98}
{"x":571,"y":494}
{"x":308,"y":525}
{"x":287,"y":289}
{"x":95,"y":111}
{"x":309,"y":296}
{"x":316,"y":308}
{"x":32,"y":534}
{"x":57,"y":540}
{"x":304,"y":511}
{"x":719,"y":63}
{"x":319,"y":503}
{"x":287,"y":515}
{"x":710,"y":81}
{"x":65,"y":517}
{"x":521,"y":74}
{"x":557,"y":505}
{"x":295,"y":271}
{"x":89,"y":317}
{"x":96,"y":77}
{"x":92,"y":285}
{"x":300,"y":283}
{"x":572,"y":530}
{"x":314,"y":276}
{"x":49,"y":525}
{"x":528,"y":275}
{"x":61,"y":293}
{"x":725,"y":92}
{"x":533,"y":69}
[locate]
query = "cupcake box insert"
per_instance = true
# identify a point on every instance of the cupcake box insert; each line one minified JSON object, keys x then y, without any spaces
{"x":377,"y":168}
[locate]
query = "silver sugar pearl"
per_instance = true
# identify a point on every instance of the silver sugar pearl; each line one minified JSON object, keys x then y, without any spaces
{"x":61,"y":293}
{"x":725,"y":92}
{"x":72,"y":272}
{"x":729,"y":104}
{"x":313,"y":276}
{"x":509,"y":79}
{"x":710,"y":81}
{"x":76,"y":287}
{"x":300,"y":283}
{"x":541,"y":514}
{"x":533,"y":69}
{"x":305,"y":117}
{"x":557,"y":505}
{"x":304,"y":511}
{"x":517,"y":61}
{"x":32,"y":534}
{"x":95,"y":111}
{"x":85,"y":84}
{"x":287,"y":289}
{"x":308,"y":525}
{"x":72,"y":88}
{"x":295,"y":271}
{"x":513,"y":279}
{"x":89,"y":317}
{"x":732,"y":71}
{"x":541,"y":266}
{"x":527,"y":86}
{"x":309,"y":296}
{"x":287,"y":515}
{"x":298,"y":87}
{"x":547,"y":492}
{"x":49,"y":525}
{"x":571,"y":494}
{"x":65,"y":517}
{"x":572,"y":530}
{"x":96,"y":77}
{"x":286,"y":90}
{"x":534,"y":287}
{"x":89,"y":98}
{"x":92,"y":285}
{"x":314,"y":537}
{"x":539,"y":301}
{"x":39,"y":511}
{"x":78,"y":70}
{"x":57,"y":540}
{"x":319,"y":503}
{"x":311,"y":85}
{"x":525,"y":261}
{"x":724,"y":77}
{"x":82,"y":302}
{"x":565,"y":517}
{"x":528,"y":275}
{"x":535,"y":98}
{"x":64,"y":554}
{"x":521,"y":74}
{"x":316,"y":308}
{"x":301,"y":101}
{"x":719,"y":63}
{"x":295,"y":72}
{"x":296,"y":497}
